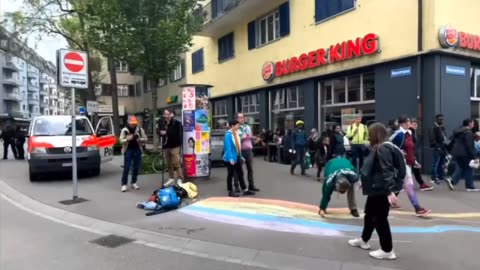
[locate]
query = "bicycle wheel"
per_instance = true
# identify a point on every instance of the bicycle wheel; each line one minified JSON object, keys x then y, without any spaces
{"x":158,"y":164}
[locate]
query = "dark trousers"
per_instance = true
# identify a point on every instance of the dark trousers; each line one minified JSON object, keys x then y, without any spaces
{"x":20,"y":150}
{"x":358,"y":154}
{"x":463,"y":170}
{"x":376,"y":218}
{"x":10,"y":143}
{"x":418,"y":176}
{"x":438,"y":161}
{"x":299,"y":159}
{"x":248,"y":156}
{"x":320,"y":165}
{"x":131,"y":156}
{"x":232,"y":171}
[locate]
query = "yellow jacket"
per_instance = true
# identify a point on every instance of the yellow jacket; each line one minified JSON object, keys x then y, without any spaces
{"x":191,"y":189}
{"x":360,"y":137}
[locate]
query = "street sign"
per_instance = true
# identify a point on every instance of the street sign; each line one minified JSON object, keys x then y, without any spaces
{"x":81,"y":110}
{"x":92,"y":106}
{"x":72,"y":68}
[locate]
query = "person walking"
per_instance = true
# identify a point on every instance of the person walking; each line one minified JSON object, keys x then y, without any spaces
{"x":132,"y":137}
{"x":337,"y":142}
{"x":232,"y":155}
{"x":340,"y":176}
{"x":312,"y":144}
{"x":463,"y":152}
{"x":438,"y":143}
{"x":172,"y":130}
{"x":20,"y":144}
{"x":416,"y":168}
{"x":402,"y":138}
{"x":357,"y":133}
{"x":9,"y":134}
{"x":323,"y":155}
{"x":298,"y":144}
{"x":246,"y":135}
{"x":379,"y":185}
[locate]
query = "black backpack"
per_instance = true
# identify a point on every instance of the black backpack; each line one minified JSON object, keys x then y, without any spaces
{"x":399,"y":164}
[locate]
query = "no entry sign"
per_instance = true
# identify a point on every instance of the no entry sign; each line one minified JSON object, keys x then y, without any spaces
{"x":72,"y":68}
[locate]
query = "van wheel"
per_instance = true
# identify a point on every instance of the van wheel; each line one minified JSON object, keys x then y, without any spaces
{"x":96,"y":172}
{"x":33,"y":176}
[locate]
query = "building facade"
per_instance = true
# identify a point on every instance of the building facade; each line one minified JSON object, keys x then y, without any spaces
{"x":324,"y":61}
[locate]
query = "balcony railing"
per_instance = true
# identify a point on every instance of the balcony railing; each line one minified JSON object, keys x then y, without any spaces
{"x":43,"y":92}
{"x":43,"y":81}
{"x":12,"y":81}
{"x":32,"y":74}
{"x":15,"y":96}
{"x":32,"y":88}
{"x":43,"y":104}
{"x":10,"y":65}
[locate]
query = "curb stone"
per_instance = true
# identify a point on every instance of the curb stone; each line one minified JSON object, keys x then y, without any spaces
{"x":214,"y":251}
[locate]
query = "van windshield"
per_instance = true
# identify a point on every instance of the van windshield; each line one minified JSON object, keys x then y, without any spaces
{"x":60,"y":126}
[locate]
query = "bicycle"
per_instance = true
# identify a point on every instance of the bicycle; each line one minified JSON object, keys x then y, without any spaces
{"x":158,"y":162}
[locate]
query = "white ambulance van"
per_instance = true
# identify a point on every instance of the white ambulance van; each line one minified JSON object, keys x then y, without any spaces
{"x":50,"y":145}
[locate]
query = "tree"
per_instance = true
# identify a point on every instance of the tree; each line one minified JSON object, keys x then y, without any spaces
{"x":160,"y":31}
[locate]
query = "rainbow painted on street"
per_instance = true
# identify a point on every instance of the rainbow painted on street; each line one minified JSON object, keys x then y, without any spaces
{"x":284,"y":216}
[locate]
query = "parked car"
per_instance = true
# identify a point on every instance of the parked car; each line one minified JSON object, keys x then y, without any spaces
{"x":50,"y":144}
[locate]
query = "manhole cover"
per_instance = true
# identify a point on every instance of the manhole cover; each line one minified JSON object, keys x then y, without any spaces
{"x":112,"y":241}
{"x":73,"y":201}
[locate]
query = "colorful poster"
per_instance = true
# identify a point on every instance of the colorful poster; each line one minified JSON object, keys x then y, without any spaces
{"x":202,"y":145}
{"x":188,"y":121}
{"x":189,"y":165}
{"x":201,"y":120}
{"x":203,"y":167}
{"x":188,"y":98}
{"x":189,"y":142}
{"x":202,"y":99}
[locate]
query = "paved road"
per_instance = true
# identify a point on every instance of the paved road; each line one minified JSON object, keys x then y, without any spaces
{"x":31,"y":242}
{"x":416,"y":250}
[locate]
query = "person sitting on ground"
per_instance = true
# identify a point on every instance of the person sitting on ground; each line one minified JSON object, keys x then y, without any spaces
{"x":341,"y":176}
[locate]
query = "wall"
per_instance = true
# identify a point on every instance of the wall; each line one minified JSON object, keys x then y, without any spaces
{"x":394,"y":22}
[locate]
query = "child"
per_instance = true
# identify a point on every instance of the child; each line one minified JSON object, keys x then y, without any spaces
{"x":340,"y":176}
{"x":323,"y":154}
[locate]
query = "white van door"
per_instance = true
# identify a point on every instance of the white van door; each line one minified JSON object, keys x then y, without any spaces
{"x":105,"y":138}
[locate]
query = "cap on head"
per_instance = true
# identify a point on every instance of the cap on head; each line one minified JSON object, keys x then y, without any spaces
{"x":299,"y":123}
{"x":132,"y":120}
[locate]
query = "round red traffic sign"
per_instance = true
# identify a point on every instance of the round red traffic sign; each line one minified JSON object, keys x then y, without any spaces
{"x":74,"y":62}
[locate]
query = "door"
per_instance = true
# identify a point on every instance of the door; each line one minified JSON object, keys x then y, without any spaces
{"x":105,"y":138}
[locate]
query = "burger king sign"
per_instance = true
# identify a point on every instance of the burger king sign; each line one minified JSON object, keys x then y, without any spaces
{"x":268,"y":71}
{"x":450,"y":37}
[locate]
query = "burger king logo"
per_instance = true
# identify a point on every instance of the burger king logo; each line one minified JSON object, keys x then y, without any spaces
{"x":448,"y":37}
{"x":268,"y":71}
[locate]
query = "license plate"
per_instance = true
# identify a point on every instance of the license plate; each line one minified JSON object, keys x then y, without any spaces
{"x":66,"y":164}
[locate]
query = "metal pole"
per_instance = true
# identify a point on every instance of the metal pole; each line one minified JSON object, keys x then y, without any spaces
{"x":74,"y":148}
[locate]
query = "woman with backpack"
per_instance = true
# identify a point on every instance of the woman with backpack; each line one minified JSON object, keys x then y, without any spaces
{"x":379,"y":184}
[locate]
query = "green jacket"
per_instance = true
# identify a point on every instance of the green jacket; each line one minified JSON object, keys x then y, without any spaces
{"x":334,"y":168}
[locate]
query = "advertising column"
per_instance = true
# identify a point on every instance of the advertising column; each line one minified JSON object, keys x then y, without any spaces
{"x":196,"y":130}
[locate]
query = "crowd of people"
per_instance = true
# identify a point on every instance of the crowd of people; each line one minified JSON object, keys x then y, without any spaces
{"x":13,"y":137}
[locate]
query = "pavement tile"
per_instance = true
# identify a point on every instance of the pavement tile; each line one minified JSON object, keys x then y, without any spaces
{"x":290,"y":262}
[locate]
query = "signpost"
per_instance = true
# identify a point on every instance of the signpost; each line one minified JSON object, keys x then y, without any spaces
{"x":73,"y":73}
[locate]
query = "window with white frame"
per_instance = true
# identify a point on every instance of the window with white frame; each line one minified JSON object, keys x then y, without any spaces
{"x":122,"y":90}
{"x":162,"y":82}
{"x":248,"y":104}
{"x":268,"y":28}
{"x":220,"y":115}
{"x":475,"y":92}
{"x":177,"y":73}
{"x":121,"y":66}
{"x":287,"y":106}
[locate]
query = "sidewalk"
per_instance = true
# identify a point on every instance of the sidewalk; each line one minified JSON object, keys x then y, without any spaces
{"x":107,"y":203}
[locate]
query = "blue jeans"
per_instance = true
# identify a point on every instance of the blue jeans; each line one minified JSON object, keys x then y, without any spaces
{"x":438,"y":161}
{"x":135,"y":157}
{"x":462,"y":170}
{"x":358,"y":153}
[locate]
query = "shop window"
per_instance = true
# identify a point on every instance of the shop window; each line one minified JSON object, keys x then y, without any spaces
{"x":287,"y":106}
{"x":220,"y":115}
{"x":197,"y":61}
{"x":353,"y":88}
{"x":475,"y":82}
{"x":226,"y":47}
{"x":325,"y":9}
{"x":249,"y":105}
{"x":368,"y":86}
{"x":339,"y":94}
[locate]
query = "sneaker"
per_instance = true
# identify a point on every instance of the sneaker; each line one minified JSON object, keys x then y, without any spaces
{"x":135,"y":186}
{"x":358,"y":242}
{"x":238,"y":190}
{"x":170,"y":182}
{"x":425,"y":187}
{"x":449,"y":183}
{"x":179,"y":181}
{"x":124,"y":188}
{"x":473,"y":190}
{"x":248,"y":193}
{"x":382,"y":255}
{"x":422,"y":212}
{"x":355,"y":213}
{"x":254,"y":189}
{"x":233,"y":194}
